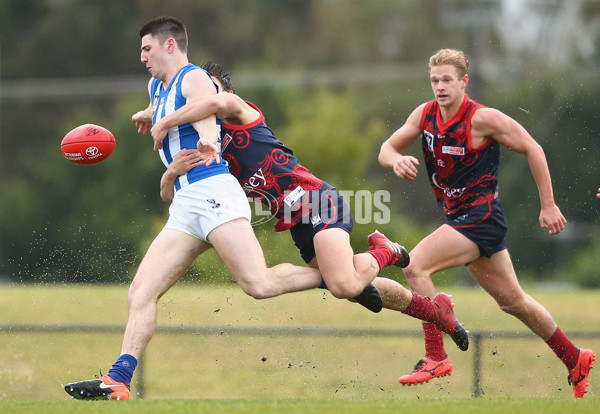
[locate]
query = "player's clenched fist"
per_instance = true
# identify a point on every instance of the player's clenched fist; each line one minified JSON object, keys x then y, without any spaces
{"x":405,"y":167}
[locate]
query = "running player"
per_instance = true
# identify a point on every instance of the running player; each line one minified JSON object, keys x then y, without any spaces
{"x":461,"y":146}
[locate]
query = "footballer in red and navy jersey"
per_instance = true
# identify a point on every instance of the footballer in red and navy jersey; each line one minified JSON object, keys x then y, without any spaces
{"x":461,"y":176}
{"x":268,"y":170}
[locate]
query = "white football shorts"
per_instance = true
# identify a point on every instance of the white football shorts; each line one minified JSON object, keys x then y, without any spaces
{"x":200,"y":207}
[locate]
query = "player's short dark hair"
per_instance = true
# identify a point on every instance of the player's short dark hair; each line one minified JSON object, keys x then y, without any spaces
{"x":217,"y":71}
{"x":164,"y":27}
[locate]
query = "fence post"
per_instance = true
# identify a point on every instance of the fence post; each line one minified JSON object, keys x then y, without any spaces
{"x":477,"y":338}
{"x":139,"y":382}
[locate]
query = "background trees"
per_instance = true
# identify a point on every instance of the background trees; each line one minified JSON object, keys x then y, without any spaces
{"x":334,"y":79}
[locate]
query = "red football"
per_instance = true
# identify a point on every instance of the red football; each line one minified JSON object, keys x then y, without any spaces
{"x":88,"y":144}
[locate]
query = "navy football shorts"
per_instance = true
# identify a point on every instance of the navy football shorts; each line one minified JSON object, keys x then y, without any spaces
{"x":485,"y":225}
{"x":328,"y":210}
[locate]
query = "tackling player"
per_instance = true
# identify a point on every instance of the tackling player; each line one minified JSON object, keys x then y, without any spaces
{"x":269,"y":171}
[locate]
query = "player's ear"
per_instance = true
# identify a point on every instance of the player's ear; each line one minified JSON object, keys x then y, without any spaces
{"x":465,"y":79}
{"x":171,"y":44}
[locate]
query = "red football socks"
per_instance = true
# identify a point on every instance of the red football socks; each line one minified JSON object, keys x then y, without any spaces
{"x":564,"y":348}
{"x":421,"y":307}
{"x":383,"y":257}
{"x":434,"y":342}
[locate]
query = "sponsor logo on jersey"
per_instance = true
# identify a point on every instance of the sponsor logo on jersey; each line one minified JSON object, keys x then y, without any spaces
{"x":293,"y":196}
{"x":453,"y":150}
{"x":257,"y":179}
{"x":225,"y":141}
{"x":448,"y":191}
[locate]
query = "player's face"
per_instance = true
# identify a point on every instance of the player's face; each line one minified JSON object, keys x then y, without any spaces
{"x":153,"y":56}
{"x":447,"y":86}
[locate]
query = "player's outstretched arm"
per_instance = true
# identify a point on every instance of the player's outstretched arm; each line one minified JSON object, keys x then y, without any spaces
{"x":493,"y":124}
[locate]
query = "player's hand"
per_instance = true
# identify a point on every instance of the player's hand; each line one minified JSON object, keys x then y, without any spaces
{"x":142,"y":121}
{"x":158,"y":132}
{"x":405,"y":167}
{"x":185,"y":160}
{"x":598,"y":195}
{"x":208,"y":152}
{"x":552,"y":219}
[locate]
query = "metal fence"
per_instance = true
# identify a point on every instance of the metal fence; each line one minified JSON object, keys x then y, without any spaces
{"x":477,"y":338}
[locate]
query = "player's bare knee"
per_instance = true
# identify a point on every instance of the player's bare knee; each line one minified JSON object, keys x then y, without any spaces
{"x":132,"y":294}
{"x":413,"y":273}
{"x":343,"y":291}
{"x":409,"y":272}
{"x":258,"y":291}
{"x":138,"y":296}
{"x":259,"y":294}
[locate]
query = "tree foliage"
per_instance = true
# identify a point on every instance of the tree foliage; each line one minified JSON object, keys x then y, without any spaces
{"x":358,"y":68}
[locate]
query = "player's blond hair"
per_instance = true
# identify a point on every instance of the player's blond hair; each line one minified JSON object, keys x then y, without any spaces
{"x":453,"y":57}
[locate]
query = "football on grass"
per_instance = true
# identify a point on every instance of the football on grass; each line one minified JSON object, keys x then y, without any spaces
{"x":88,"y":144}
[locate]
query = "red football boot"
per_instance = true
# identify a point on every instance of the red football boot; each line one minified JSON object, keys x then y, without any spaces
{"x":578,"y":376}
{"x":446,"y":321}
{"x":399,"y":253}
{"x":425,"y":370}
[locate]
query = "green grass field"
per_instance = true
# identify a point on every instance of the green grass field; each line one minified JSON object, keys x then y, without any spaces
{"x":223,"y":371}
{"x":305,"y":406}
